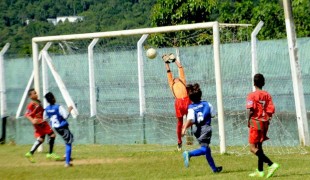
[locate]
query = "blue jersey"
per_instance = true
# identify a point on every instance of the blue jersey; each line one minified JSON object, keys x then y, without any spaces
{"x":200,"y":114}
{"x":57,"y":115}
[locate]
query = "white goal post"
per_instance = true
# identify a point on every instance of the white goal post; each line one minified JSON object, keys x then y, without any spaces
{"x":144,"y":31}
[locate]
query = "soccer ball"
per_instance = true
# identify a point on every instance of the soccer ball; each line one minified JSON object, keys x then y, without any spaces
{"x":151,"y":53}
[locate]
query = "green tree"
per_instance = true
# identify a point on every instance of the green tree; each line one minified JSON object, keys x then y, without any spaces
{"x":301,"y":11}
{"x":173,"y":12}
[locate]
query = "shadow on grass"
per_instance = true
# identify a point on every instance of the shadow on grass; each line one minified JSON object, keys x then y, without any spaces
{"x":225,"y":171}
{"x":291,"y":175}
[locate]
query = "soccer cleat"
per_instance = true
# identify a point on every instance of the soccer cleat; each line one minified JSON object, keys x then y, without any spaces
{"x":53,"y":156}
{"x":218,"y":169}
{"x":68,"y":165}
{"x":29,"y":156}
{"x":273,"y":168}
{"x":179,"y":147}
{"x":257,"y":174}
{"x":186,"y":158}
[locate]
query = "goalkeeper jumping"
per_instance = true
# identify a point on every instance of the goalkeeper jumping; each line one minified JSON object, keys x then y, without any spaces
{"x":178,"y":88}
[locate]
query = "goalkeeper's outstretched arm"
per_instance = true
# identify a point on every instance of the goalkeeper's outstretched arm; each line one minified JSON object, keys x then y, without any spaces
{"x":169,"y":74}
{"x":181,"y":71}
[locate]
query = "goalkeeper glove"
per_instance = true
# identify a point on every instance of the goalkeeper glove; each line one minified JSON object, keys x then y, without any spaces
{"x":172,"y":57}
{"x":165,"y":58}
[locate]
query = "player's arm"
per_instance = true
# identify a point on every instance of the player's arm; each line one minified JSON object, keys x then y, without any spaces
{"x":188,"y":124}
{"x":45,"y":116}
{"x":212,"y":111}
{"x":169,"y":75}
{"x":30,"y":111}
{"x":165,"y":58}
{"x":250,"y":108}
{"x":190,"y":121}
{"x":65,"y":113}
{"x":32,"y":120}
{"x":181,"y":71}
{"x":249,"y":113}
{"x":270,"y":108}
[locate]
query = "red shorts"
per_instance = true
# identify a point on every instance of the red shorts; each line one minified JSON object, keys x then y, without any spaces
{"x":258,"y":136}
{"x":181,"y":106}
{"x":42,"y":129}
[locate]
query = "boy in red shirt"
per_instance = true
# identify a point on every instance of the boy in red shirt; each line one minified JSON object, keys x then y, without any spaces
{"x":34,"y":114}
{"x":178,"y":88}
{"x":260,"y":110}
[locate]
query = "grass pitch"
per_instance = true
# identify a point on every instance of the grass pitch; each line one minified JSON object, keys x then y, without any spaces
{"x":140,"y":162}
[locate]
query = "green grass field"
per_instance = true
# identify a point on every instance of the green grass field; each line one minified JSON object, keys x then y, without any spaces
{"x":139,"y":162}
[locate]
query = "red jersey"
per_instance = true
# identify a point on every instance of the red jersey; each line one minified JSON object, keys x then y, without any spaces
{"x":35,"y":110}
{"x":261,"y":103}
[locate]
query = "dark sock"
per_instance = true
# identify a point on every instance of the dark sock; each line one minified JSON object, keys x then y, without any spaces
{"x":260,"y":156}
{"x":267,"y":160}
{"x":51,"y":143}
{"x":35,"y":146}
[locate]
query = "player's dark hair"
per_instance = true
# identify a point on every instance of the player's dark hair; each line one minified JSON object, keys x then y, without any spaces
{"x":30,"y":90}
{"x":50,"y":98}
{"x":194,"y":92}
{"x":259,"y":80}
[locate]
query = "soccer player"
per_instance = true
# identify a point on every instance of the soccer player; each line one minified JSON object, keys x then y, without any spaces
{"x":57,"y":116}
{"x":178,"y":88}
{"x":200,"y":113}
{"x":34,"y":114}
{"x":260,"y":109}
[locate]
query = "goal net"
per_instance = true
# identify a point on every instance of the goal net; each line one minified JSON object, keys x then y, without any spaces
{"x":120,"y":117}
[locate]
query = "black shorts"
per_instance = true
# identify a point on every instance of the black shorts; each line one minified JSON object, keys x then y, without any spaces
{"x":204,"y":135}
{"x":66,"y":134}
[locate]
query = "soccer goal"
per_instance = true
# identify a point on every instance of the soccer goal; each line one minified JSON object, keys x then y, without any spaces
{"x":122,"y":97}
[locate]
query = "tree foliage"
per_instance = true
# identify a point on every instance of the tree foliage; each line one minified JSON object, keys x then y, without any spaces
{"x":169,"y":12}
{"x":99,"y":15}
{"x":107,"y":15}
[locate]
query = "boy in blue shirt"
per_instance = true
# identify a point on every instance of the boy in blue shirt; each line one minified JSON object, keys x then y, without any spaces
{"x":57,"y":116}
{"x":200,"y":114}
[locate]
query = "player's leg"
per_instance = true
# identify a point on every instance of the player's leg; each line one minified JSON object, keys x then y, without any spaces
{"x":68,"y":138}
{"x":179,"y":125}
{"x":46,"y":129}
{"x":205,"y":140}
{"x":68,"y":155}
{"x":210,"y":160}
{"x":188,"y":154}
{"x":51,"y":142}
{"x":265,"y":158}
{"x":259,"y":172}
{"x":254,"y":139}
{"x":37,"y":143}
{"x":273,"y":167}
{"x":198,"y":152}
{"x":34,"y":147}
{"x":179,"y":132}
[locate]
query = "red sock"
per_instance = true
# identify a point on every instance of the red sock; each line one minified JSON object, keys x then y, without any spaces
{"x":179,"y":129}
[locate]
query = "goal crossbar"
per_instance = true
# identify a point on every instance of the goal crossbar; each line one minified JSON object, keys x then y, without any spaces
{"x":130,"y":32}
